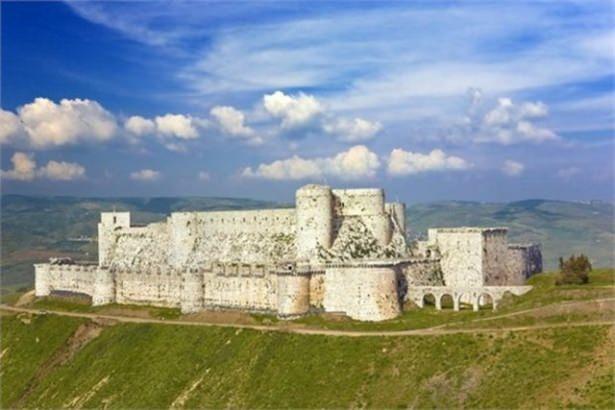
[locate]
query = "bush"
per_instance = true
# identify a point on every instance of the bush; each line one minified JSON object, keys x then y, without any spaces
{"x":574,"y":271}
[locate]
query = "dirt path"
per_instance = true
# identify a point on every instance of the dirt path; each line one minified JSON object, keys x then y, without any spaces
{"x":433,"y":331}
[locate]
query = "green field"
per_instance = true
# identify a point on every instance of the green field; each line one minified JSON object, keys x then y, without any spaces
{"x":35,"y":228}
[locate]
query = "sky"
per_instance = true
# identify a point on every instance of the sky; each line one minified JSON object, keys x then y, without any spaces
{"x":480,"y":101}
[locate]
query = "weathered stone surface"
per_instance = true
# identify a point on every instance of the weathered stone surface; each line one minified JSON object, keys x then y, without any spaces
{"x":341,"y":250}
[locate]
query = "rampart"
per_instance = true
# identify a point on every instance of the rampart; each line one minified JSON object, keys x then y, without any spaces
{"x":340,"y":250}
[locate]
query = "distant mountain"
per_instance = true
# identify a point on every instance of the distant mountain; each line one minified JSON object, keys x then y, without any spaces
{"x":34,"y":228}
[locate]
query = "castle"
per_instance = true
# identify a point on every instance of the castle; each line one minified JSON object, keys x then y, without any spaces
{"x":339,"y":250}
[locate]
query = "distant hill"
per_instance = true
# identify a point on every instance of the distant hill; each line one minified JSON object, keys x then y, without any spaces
{"x":34,"y":228}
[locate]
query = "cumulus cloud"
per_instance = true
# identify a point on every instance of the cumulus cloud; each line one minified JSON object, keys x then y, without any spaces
{"x":232,"y":122}
{"x":509,"y":123}
{"x":204,"y":176}
{"x":294,"y":110}
{"x":512,"y":168}
{"x":401,"y":162}
{"x":24,"y":169}
{"x":357,"y":162}
{"x":140,"y":126}
{"x":145,"y":175}
{"x":10,"y":126}
{"x":47,"y":124}
{"x":354,"y":130}
{"x":177,"y":125}
{"x":62,"y":171}
{"x":303,"y":111}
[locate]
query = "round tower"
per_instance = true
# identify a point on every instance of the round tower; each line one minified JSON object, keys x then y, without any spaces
{"x":191,"y":298}
{"x":314,"y":207}
{"x":42,"y":287}
{"x":104,"y":287}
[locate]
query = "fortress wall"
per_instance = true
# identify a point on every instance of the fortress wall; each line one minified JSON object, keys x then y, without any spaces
{"x":422,"y":272}
{"x":109,"y":222}
{"x":523,"y":261}
{"x":293,"y":295}
{"x":256,"y":292}
{"x":362,"y":292}
{"x":317,"y":290}
{"x":369,"y":205}
{"x":142,"y":248}
{"x":461,"y":255}
{"x":160,"y":288}
{"x":495,"y":257}
{"x":68,"y":278}
{"x":314,"y":226}
{"x":397,"y":211}
{"x":266,"y":221}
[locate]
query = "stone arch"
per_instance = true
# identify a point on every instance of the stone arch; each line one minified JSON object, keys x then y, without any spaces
{"x":463,"y":299}
{"x":485,"y":300}
{"x":429,"y":299}
{"x":447,"y":301}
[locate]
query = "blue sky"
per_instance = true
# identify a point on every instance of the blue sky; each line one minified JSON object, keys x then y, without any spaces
{"x":488,"y":101}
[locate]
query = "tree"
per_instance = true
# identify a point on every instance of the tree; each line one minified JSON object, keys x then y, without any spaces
{"x":573,"y":271}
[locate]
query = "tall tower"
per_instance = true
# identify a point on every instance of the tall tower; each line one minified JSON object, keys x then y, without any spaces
{"x":314,"y":207}
{"x":109,"y":222}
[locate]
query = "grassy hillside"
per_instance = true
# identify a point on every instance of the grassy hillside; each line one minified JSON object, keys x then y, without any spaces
{"x":35,"y":228}
{"x":157,"y":366}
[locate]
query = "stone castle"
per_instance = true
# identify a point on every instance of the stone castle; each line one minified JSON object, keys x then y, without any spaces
{"x":339,"y":250}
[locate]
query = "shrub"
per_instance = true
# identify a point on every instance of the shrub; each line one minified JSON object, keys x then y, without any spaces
{"x":574,"y":271}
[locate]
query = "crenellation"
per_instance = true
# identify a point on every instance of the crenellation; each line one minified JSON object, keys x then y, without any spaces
{"x":339,"y":250}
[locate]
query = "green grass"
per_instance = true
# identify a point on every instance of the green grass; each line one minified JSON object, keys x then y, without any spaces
{"x":149,"y":366}
{"x":26,"y":345}
{"x":83,"y":305}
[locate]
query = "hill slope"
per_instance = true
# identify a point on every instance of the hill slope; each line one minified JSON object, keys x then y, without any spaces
{"x":156,"y":366}
{"x":35,"y":228}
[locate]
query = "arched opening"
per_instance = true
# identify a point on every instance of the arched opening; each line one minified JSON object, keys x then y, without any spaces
{"x":446,"y":301}
{"x":485,"y":301}
{"x":464,"y":301}
{"x":429,"y":300}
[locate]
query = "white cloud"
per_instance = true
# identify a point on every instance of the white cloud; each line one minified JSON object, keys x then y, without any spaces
{"x":177,"y":125}
{"x":24,"y":169}
{"x":294,"y":110}
{"x":232,"y":122}
{"x":204,"y":176}
{"x":357,"y":162}
{"x":62,"y":171}
{"x":48,"y":124}
{"x":145,"y":175}
{"x":569,"y":172}
{"x":509,"y":123}
{"x":401,"y":162}
{"x":10,"y":126}
{"x":291,"y":168}
{"x":354,"y":130}
{"x":140,"y":126}
{"x":512,"y":168}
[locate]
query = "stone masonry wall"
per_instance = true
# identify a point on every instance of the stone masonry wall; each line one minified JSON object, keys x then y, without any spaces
{"x":69,"y":278}
{"x":362,"y":292}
